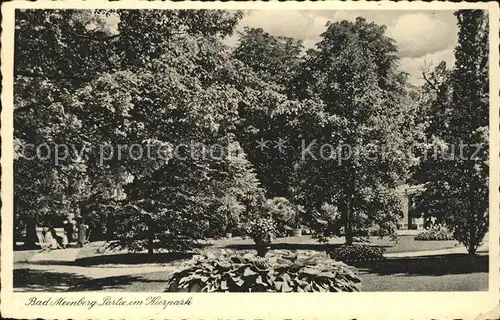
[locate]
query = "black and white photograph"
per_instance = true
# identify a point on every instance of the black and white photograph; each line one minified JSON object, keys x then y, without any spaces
{"x":232,"y":150}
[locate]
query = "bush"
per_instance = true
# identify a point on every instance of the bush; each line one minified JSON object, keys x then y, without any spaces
{"x":280,"y":271}
{"x":243,"y":229}
{"x":326,"y":222}
{"x":357,"y":253}
{"x":284,"y":213}
{"x":436,"y":232}
{"x":263,"y":231}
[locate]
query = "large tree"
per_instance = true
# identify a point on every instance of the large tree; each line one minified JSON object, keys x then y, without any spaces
{"x":168,"y":89}
{"x":44,"y":185}
{"x":273,"y":58}
{"x":269,"y":63}
{"x":353,"y":142}
{"x":455,"y":162}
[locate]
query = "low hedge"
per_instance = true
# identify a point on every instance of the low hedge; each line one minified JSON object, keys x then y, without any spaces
{"x":356,"y":253}
{"x":435,"y":232}
{"x":279,"y":271}
{"x":429,"y":235}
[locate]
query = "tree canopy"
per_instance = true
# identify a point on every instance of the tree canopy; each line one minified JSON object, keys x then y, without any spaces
{"x":455,"y":168}
{"x":146,"y":120}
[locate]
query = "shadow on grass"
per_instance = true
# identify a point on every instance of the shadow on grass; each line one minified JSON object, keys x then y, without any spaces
{"x":29,"y":280}
{"x":437,"y":265}
{"x":132,"y":258}
{"x":110,"y":283}
{"x":281,"y":246}
{"x":38,"y":280}
{"x":295,"y":246}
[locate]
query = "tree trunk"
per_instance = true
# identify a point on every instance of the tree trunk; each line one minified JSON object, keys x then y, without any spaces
{"x":150,"y":247}
{"x":110,"y":226}
{"x":349,"y":194}
{"x":31,"y":236}
{"x":349,"y":238}
{"x":150,"y":244}
{"x":150,"y":234}
{"x":471,"y":250}
{"x":262,"y":250}
{"x":473,"y":228}
{"x":346,"y":210}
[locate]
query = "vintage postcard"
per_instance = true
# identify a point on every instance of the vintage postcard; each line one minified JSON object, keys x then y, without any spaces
{"x":185,"y":160}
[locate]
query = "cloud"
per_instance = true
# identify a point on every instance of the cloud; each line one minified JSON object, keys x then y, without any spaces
{"x":288,"y":23}
{"x":418,"y":34}
{"x":379,"y":17}
{"x":413,"y":66}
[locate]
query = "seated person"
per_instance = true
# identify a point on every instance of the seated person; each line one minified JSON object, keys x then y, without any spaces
{"x":50,"y":238}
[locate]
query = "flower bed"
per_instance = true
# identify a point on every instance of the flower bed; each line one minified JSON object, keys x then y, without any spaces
{"x":437,"y":232}
{"x":356,"y":253}
{"x":279,"y":271}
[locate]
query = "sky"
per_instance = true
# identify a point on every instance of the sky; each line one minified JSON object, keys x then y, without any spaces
{"x":423,"y":37}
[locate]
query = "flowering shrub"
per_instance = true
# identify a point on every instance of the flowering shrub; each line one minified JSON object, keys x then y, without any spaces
{"x":280,"y":271}
{"x":356,"y":253}
{"x":263,"y":231}
{"x":436,"y":232}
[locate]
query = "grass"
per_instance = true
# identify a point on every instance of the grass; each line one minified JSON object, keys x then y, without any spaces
{"x":433,"y":273}
{"x":435,"y":265}
{"x":451,"y":272}
{"x":127,"y":259}
{"x":453,"y":282}
{"x":35,"y":280}
{"x":403,"y":244}
{"x":409,"y":244}
{"x":89,"y":257}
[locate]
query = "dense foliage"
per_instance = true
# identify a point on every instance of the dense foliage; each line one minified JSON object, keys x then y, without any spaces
{"x":263,"y":231}
{"x":285,"y":215}
{"x":455,"y":162}
{"x":356,"y":253}
{"x":435,"y":232}
{"x":281,"y":271}
{"x":161,"y":94}
{"x":333,"y":124}
{"x":355,"y":140}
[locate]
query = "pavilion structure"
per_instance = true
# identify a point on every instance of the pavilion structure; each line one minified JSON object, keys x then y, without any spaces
{"x":409,"y":221}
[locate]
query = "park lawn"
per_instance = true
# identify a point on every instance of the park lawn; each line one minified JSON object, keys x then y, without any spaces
{"x":446,"y":272}
{"x":89,"y":256}
{"x":24,"y":255}
{"x":452,"y":282}
{"x":405,"y":243}
{"x":409,"y":244}
{"x":449,"y":272}
{"x":453,"y":272}
{"x":155,"y":282}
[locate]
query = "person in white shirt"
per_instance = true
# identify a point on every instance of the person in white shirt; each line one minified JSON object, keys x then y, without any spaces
{"x":82,"y":233}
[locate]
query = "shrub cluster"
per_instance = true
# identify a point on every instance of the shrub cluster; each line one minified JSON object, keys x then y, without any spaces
{"x":356,"y":253}
{"x":263,"y":230}
{"x":280,"y":271}
{"x":283,"y":213}
{"x":436,"y":232}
